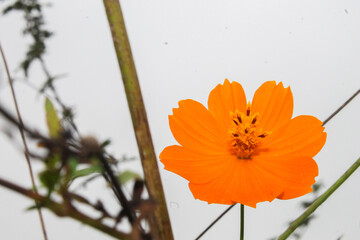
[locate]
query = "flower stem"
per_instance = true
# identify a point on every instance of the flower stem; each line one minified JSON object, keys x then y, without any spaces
{"x":242,"y":213}
{"x":319,"y":201}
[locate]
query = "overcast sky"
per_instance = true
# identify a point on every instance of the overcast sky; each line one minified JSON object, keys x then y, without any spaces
{"x":182,"y":50}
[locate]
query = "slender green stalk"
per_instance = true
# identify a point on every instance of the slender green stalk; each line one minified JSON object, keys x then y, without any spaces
{"x":319,"y":201}
{"x":160,"y":224}
{"x":242,"y":213}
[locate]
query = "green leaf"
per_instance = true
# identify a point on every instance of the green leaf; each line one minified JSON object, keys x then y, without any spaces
{"x":52,"y":161}
{"x":32,"y":207}
{"x":316,"y":187}
{"x":128,"y":175}
{"x":86,"y":171}
{"x":52,"y":119}
{"x":105,"y":143}
{"x":49,"y":178}
{"x":38,"y":205}
{"x":306,"y":204}
{"x":73,"y":163}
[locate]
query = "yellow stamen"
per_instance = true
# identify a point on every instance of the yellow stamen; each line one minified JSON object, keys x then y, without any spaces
{"x":245,"y":133}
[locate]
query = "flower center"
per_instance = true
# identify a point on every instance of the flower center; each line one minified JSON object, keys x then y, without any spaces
{"x":245,"y":133}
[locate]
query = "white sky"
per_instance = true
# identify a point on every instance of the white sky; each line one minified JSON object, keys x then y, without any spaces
{"x":183,"y":49}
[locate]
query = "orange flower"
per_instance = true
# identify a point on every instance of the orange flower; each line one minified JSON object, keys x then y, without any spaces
{"x":237,"y":152}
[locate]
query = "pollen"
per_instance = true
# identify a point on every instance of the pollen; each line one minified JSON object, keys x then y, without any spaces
{"x":245,"y":133}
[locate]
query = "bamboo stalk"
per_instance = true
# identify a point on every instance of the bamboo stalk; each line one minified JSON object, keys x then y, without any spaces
{"x":161,"y":222}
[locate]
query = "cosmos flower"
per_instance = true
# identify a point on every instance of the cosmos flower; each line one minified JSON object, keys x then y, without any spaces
{"x":241,"y":152}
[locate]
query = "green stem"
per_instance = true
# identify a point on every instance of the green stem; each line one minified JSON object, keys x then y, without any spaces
{"x":319,"y":201}
{"x":242,"y":213}
{"x":160,"y":223}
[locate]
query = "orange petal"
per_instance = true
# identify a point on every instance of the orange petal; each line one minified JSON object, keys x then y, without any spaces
{"x":294,"y":192}
{"x":195,"y":128}
{"x":255,"y":185}
{"x":214,"y":191}
{"x":224,"y":99}
{"x":242,"y":183}
{"x":297,"y":173}
{"x":197,"y":168}
{"x":274,"y":103}
{"x":260,"y":179}
{"x":302,"y":136}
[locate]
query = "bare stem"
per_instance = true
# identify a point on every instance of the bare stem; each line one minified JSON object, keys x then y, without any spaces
{"x":341,"y":107}
{"x":215,"y":221}
{"x":161,"y":222}
{"x":26,"y":153}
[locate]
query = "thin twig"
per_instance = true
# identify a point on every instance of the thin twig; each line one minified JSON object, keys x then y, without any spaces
{"x":13,"y":120}
{"x":341,"y":107}
{"x":26,"y":153}
{"x":215,"y":221}
{"x":97,"y":206}
{"x":117,"y":190}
